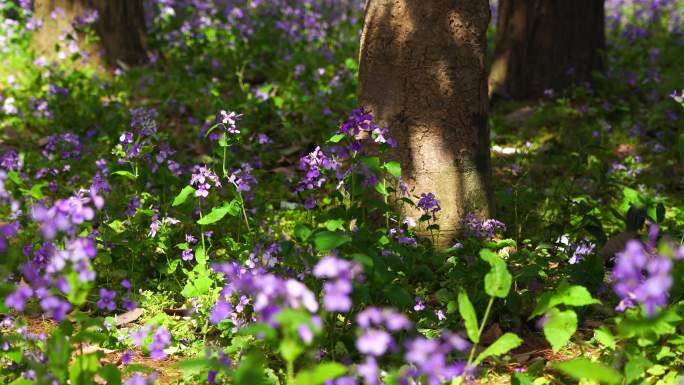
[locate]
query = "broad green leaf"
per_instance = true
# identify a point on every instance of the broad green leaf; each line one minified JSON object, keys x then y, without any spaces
{"x":380,"y":187}
{"x":605,"y":337}
{"x":328,"y":240}
{"x":110,"y":374}
{"x":559,"y":326}
{"x":503,"y":345}
{"x":320,"y":374}
{"x":565,"y":295}
{"x":117,"y":225}
{"x":334,"y":224}
{"x":217,"y":213}
{"x":250,"y":371}
{"x":583,"y":368}
{"x":126,"y":174}
{"x":290,"y":349}
{"x":200,"y":256}
{"x":303,"y":232}
{"x":21,"y":380}
{"x":183,"y":196}
{"x":465,"y":307}
{"x":83,"y":369}
{"x":393,"y":168}
{"x":498,"y":280}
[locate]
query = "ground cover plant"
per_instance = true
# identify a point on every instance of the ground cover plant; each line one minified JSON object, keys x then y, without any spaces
{"x":226,"y":211}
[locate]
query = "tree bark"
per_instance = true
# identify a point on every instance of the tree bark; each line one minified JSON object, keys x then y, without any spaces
{"x":422,"y":74}
{"x":546,"y":44}
{"x":120,"y":28}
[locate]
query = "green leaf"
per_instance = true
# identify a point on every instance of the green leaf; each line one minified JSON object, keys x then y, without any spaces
{"x":320,"y":374}
{"x":83,"y":369}
{"x":328,"y":240}
{"x":503,"y":345}
{"x":498,"y":280}
{"x":290,"y":349}
{"x":15,"y":178}
{"x":111,"y":374}
{"x":117,"y":225}
{"x":250,"y":371}
{"x":605,"y":337}
{"x":393,"y":168}
{"x":334,"y":224}
{"x":302,"y":232}
{"x":565,"y":295}
{"x":200,"y":256}
{"x":465,"y":307}
{"x":126,"y":174}
{"x":217,"y":213}
{"x":583,"y":368}
{"x":560,"y":325}
{"x":183,"y":196}
{"x":380,"y":187}
{"x":336,"y":138}
{"x":172,"y":266}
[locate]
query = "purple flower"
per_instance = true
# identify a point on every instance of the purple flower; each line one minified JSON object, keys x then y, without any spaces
{"x":17,"y":299}
{"x":305,"y":333}
{"x":106,"y":301}
{"x":222,"y":310}
{"x":229,"y":121}
{"x":336,"y":296}
{"x":187,"y":255}
{"x":55,"y":308}
{"x":429,"y":204}
{"x":641,"y":275}
{"x":581,"y":250}
{"x":374,"y":342}
{"x":201,"y":178}
{"x":160,"y":341}
{"x":126,"y":357}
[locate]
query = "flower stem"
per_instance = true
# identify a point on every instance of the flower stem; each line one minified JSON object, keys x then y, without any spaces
{"x":479,"y":332}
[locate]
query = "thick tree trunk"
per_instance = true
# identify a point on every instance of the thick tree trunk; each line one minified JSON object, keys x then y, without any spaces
{"x":546,"y":44}
{"x":120,"y":28}
{"x":422,"y":74}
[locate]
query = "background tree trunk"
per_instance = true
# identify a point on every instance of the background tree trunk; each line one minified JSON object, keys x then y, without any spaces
{"x":546,"y":44}
{"x":422,"y":74}
{"x":120,"y":28}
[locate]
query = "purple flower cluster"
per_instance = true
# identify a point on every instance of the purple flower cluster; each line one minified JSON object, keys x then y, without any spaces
{"x":201,"y":178}
{"x":429,"y":204}
{"x":242,"y":178}
{"x":482,"y":229}
{"x":580,"y":251}
{"x":66,"y":214}
{"x":229,"y":121}
{"x":361,"y":124}
{"x":430,"y":358}
{"x":340,"y":273}
{"x":267,"y":292}
{"x":161,"y":339}
{"x":642,"y":275}
{"x":376,"y":325}
{"x":314,"y":165}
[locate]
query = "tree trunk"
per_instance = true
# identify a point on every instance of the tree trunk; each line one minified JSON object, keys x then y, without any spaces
{"x":546,"y":44}
{"x":422,"y":74}
{"x":120,"y":28}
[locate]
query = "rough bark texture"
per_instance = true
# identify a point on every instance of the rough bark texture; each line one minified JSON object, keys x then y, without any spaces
{"x":546,"y":44}
{"x":422,"y":74}
{"x":120,"y":27}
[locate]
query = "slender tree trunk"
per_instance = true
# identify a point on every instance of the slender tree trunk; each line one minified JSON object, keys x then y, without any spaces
{"x":422,"y":74}
{"x":546,"y":44}
{"x":120,"y":28}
